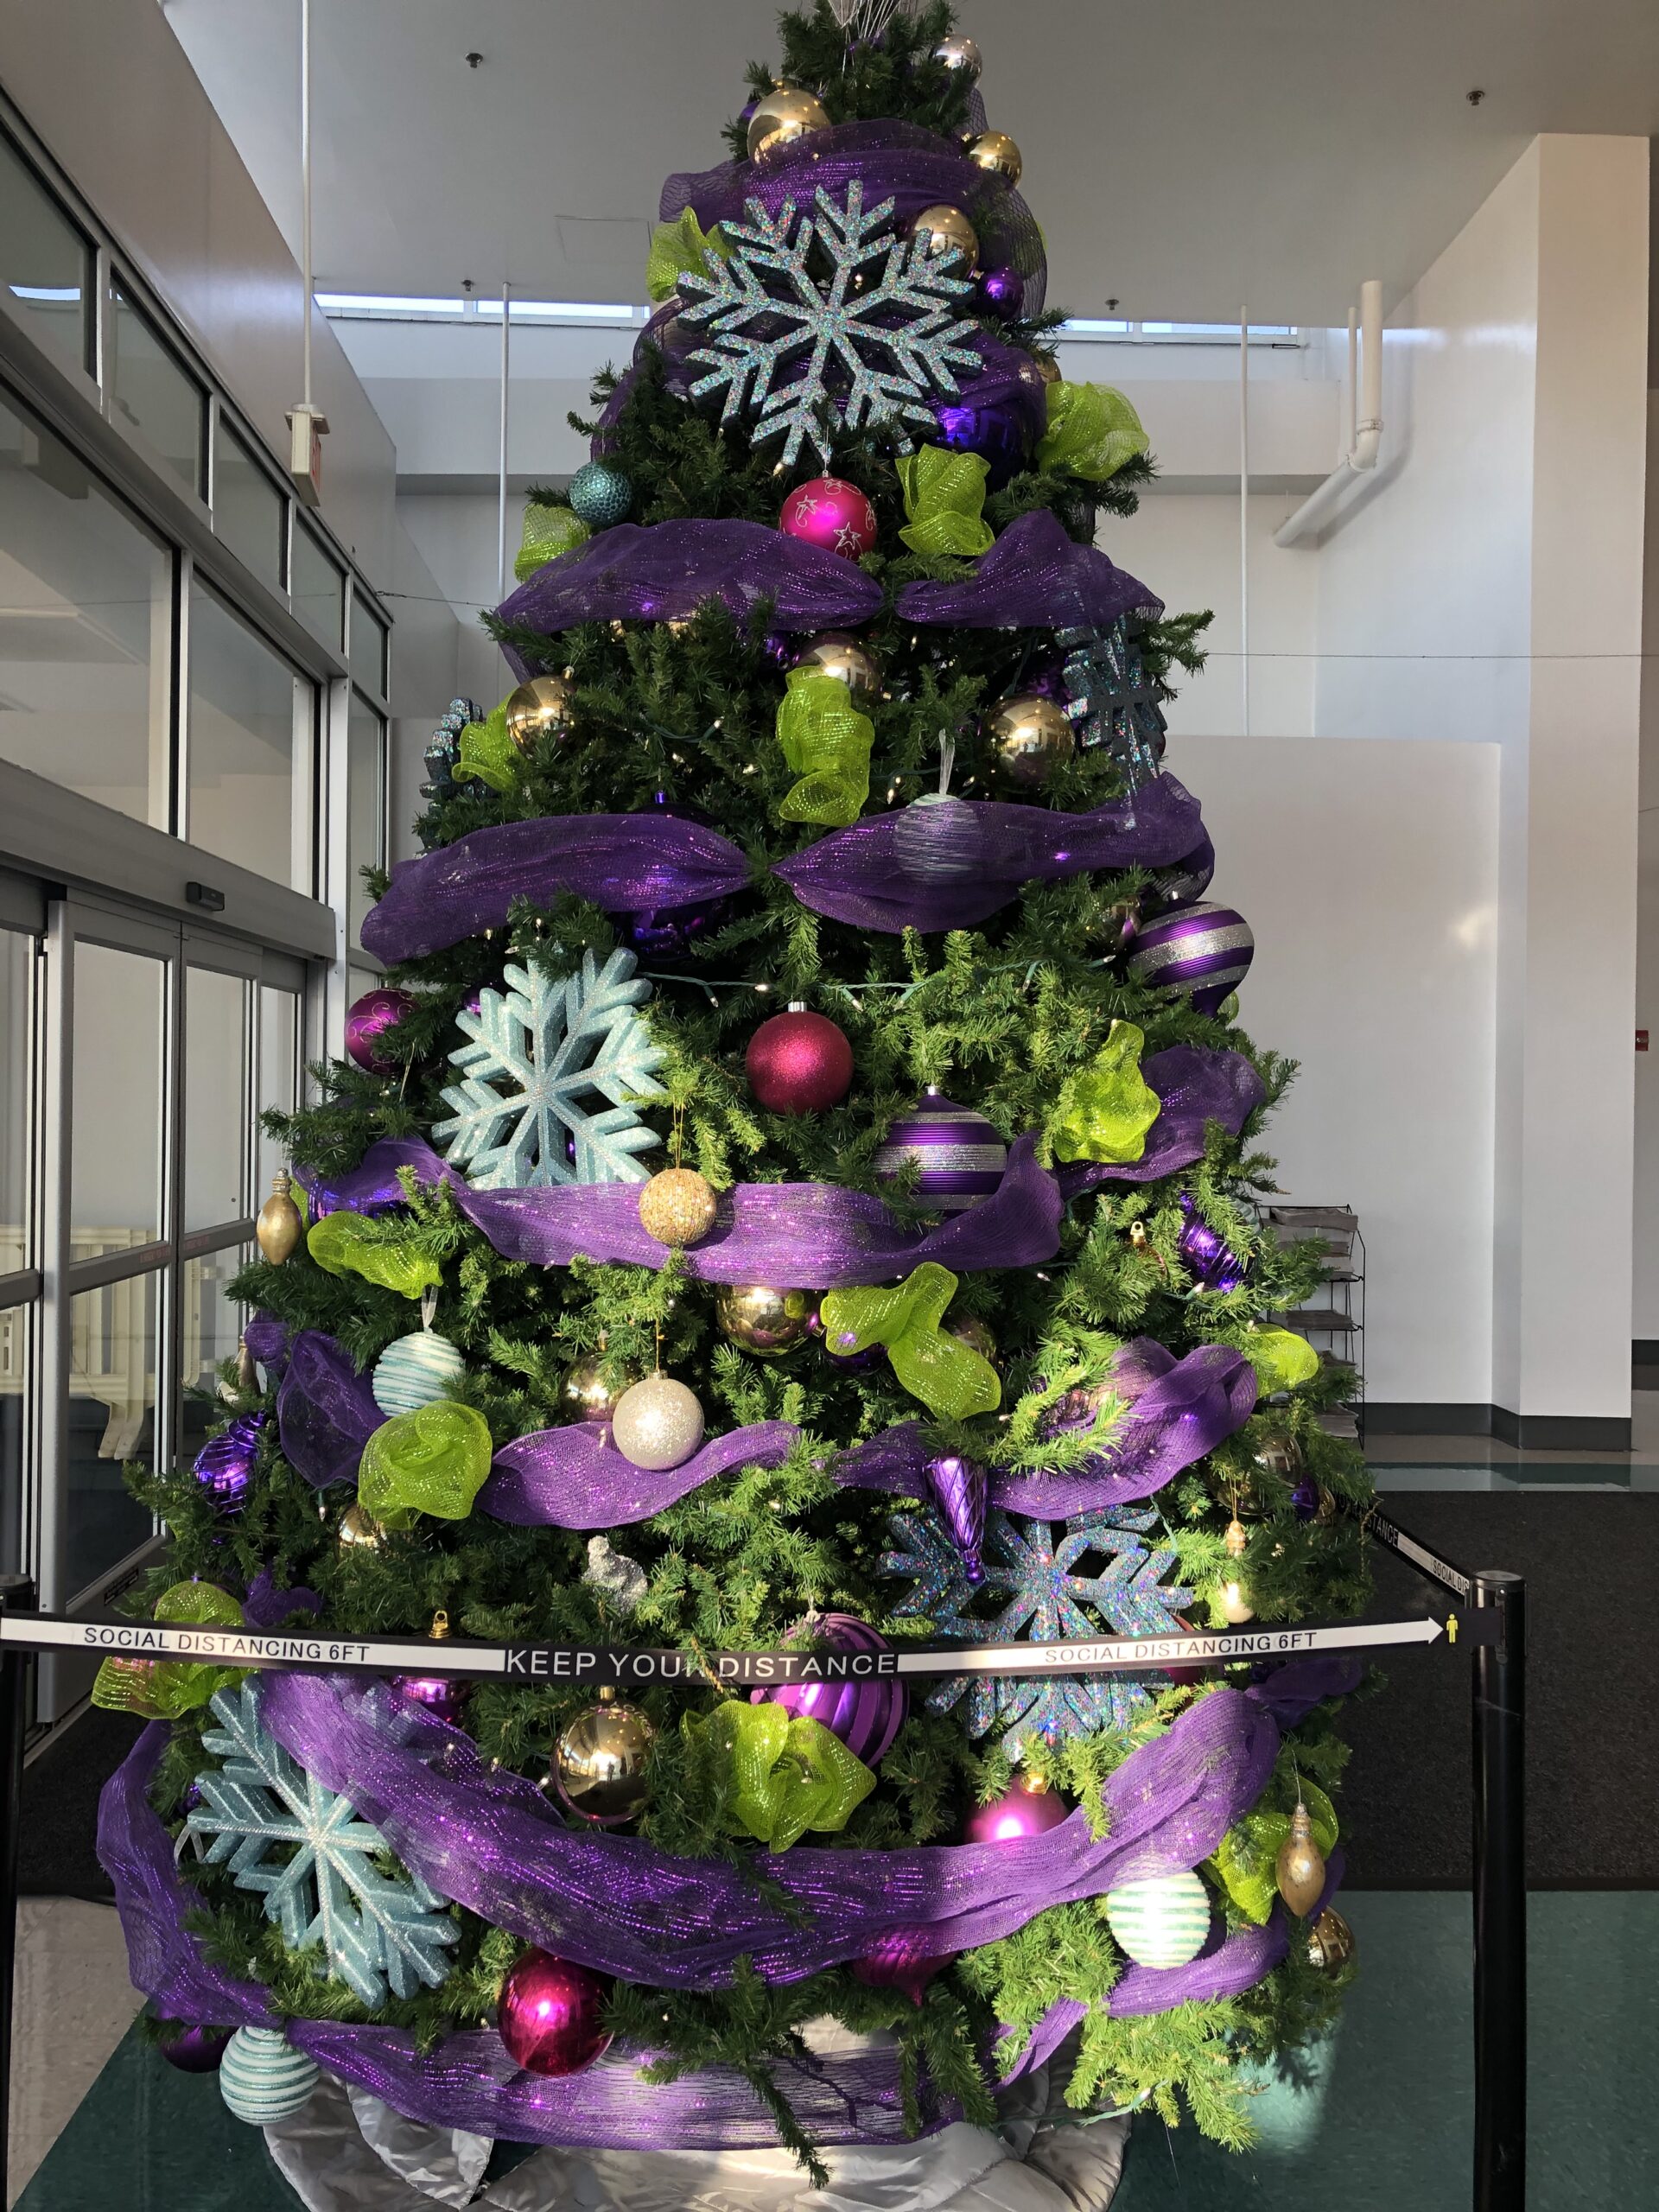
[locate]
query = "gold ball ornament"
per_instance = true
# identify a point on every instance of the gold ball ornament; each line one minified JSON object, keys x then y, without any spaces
{"x":762,"y":1320}
{"x":1279,"y":1456}
{"x":995,"y":151}
{"x":585,"y":1394}
{"x":840,"y":654}
{"x":1300,"y":1869}
{"x":784,"y":115}
{"x":973,"y":1332}
{"x":280,"y":1225}
{"x":676,"y":1207}
{"x":599,"y":1762}
{"x":657,"y":1423}
{"x":959,"y":52}
{"x":1330,"y":1942}
{"x":540,"y":708}
{"x":1047,"y":368}
{"x":359,"y":1530}
{"x":1030,"y":738}
{"x":946,"y":231}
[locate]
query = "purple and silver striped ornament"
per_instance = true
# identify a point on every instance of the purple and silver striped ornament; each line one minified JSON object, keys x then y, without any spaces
{"x":1214,"y":1264}
{"x":960,"y":1155}
{"x":866,"y":1712}
{"x":1203,"y":950}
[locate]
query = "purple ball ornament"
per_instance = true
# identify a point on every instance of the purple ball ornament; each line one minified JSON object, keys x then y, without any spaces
{"x":997,"y":428}
{"x":1027,"y":1808}
{"x":224,"y":1467}
{"x":959,"y":1154}
{"x":959,"y":1487}
{"x":1213,"y":1265}
{"x":1304,"y":1498}
{"x":438,"y":1695}
{"x":198,"y":2051}
{"x":847,"y":1363}
{"x":867,"y":1712}
{"x":899,"y":1959}
{"x":1000,"y":292}
{"x":367,"y":1022}
{"x":657,"y":931}
{"x":1204,"y":951}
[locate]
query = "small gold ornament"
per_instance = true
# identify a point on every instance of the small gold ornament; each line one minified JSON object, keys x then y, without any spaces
{"x":996,"y":151}
{"x":1236,"y":1542}
{"x":676,"y":1207}
{"x":973,"y":1332}
{"x":657,"y":1423}
{"x":838,"y":653}
{"x":948,"y":231}
{"x":1048,"y":368}
{"x":960,"y":52}
{"x":280,"y":1225}
{"x":439,"y":1632}
{"x":585,"y":1394}
{"x":1302,"y":1870}
{"x":1138,"y":1237}
{"x":540,"y":708}
{"x":359,"y":1530}
{"x":1030,"y":738}
{"x":784,"y":115}
{"x":247,"y":1377}
{"x":1330,"y":1942}
{"x":599,"y":1762}
{"x":764,"y":1321}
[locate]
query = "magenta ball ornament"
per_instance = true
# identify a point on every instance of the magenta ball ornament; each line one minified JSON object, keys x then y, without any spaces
{"x":224,"y":1467}
{"x":198,"y":2051}
{"x":438,"y":1695}
{"x":1203,"y":952}
{"x":828,"y":513}
{"x":999,"y":431}
{"x":866,"y":1712}
{"x":798,"y":1063}
{"x":367,"y":1021}
{"x":902,"y":1958}
{"x":1026,"y":1810}
{"x":550,"y":2014}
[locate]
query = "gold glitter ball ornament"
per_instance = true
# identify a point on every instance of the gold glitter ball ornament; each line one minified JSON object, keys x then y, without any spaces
{"x":960,"y":52}
{"x":1030,"y":738}
{"x":840,"y":654}
{"x":599,"y":1762}
{"x":540,"y":708}
{"x":676,"y":1207}
{"x":996,"y":151}
{"x":784,"y":115}
{"x":1300,"y":1868}
{"x":359,"y":1530}
{"x":1330,"y":1942}
{"x":762,"y":1320}
{"x":280,"y":1225}
{"x":585,"y":1394}
{"x":657,"y":1423}
{"x":947,"y":231}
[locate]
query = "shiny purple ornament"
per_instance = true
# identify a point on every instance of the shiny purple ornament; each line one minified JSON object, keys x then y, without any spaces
{"x":1213,"y":1264}
{"x":868,"y":1712}
{"x":901,"y":1959}
{"x":958,"y":1488}
{"x":1000,"y":292}
{"x":367,"y":1021}
{"x":197,"y":2051}
{"x":223,"y":1465}
{"x":1304,"y":1498}
{"x":1018,"y":1813}
{"x":444,"y":1698}
{"x":998,"y":430}
{"x":657,"y":931}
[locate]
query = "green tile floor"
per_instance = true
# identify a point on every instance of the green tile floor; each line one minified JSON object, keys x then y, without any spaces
{"x":1380,"y":2121}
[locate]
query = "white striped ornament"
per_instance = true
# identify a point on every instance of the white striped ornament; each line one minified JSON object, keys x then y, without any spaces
{"x":959,"y":1153}
{"x":263,"y":2079}
{"x":415,"y":1371}
{"x":1161,"y":1922}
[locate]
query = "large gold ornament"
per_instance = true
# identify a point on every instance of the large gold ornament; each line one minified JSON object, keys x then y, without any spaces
{"x":540,"y":708}
{"x":676,"y":1207}
{"x":585,"y":1394}
{"x":657,"y":1423}
{"x":996,"y":151}
{"x":359,"y":1530}
{"x":1030,"y":738}
{"x":280,"y":1225}
{"x":783,"y":116}
{"x":1330,"y":1942}
{"x":960,"y":52}
{"x":599,"y":1762}
{"x":945,"y":231}
{"x":838,"y":653}
{"x":764,"y":1321}
{"x":1302,"y":1870}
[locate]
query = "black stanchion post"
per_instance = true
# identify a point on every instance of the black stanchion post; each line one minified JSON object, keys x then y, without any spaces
{"x":16,"y":1596}
{"x":1501,"y":1900}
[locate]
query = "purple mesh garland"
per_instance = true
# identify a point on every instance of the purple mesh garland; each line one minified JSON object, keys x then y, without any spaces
{"x":267,"y":1340}
{"x":574,"y":1477}
{"x":325,"y":1411}
{"x":1195,"y":1086}
{"x":1034,"y":578}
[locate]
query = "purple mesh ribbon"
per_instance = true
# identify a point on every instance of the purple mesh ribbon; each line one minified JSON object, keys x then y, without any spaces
{"x":267,"y":1339}
{"x":948,"y":866}
{"x":1034,"y":578}
{"x":574,"y":1477}
{"x":664,"y":571}
{"x":1195,"y":1086}
{"x":325,"y":1411}
{"x":265,"y":1605}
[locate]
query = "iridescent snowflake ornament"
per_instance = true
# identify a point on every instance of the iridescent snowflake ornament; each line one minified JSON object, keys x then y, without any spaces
{"x":1111,"y":701}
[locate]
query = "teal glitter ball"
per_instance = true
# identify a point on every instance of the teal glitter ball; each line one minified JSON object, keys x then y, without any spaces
{"x":601,"y":495}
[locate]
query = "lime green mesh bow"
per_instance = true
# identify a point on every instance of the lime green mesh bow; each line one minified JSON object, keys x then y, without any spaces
{"x":785,"y":1773}
{"x":486,"y":751}
{"x":827,"y":743}
{"x":1282,"y":1360}
{"x":549,"y":531}
{"x":161,"y":1689}
{"x":945,"y":496}
{"x":1246,"y":1857}
{"x":1104,"y":1112}
{"x":346,"y":1243}
{"x":1092,"y":430}
{"x":435,"y":1460}
{"x":950,"y":1377}
{"x":676,"y":247}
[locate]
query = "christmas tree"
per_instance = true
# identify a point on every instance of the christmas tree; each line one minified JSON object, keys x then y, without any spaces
{"x":795,"y":1191}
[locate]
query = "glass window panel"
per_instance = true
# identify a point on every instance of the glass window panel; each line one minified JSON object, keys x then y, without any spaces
{"x":150,"y":389}
{"x":210,"y":1330}
{"x":16,"y":1087}
{"x":15,"y":1326}
{"x":112,"y":1420}
{"x":116,"y":1118}
{"x":317,"y":587}
{"x":279,"y":1075}
{"x":43,"y":258}
{"x":365,"y":806}
{"x":85,"y":628}
{"x":250,"y":513}
{"x":250,"y":717}
{"x":367,"y":657}
{"x":215,"y":1096}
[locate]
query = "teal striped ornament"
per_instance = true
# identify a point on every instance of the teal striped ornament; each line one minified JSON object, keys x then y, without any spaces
{"x":1162,"y":1922}
{"x":415,"y":1371}
{"x":263,"y":2079}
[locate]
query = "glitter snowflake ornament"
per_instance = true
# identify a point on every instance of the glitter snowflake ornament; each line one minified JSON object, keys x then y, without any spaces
{"x":281,"y":1831}
{"x":1111,"y":701}
{"x":871,"y":337}
{"x":550,"y":1075}
{"x":1093,"y":1576}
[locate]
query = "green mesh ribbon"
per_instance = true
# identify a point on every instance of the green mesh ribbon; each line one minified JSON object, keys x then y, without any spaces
{"x":950,"y":1377}
{"x":945,"y":496}
{"x":1092,"y":430}
{"x":827,"y":743}
{"x":346,"y":1243}
{"x":549,"y":531}
{"x":1246,"y":1858}
{"x":162,"y":1690}
{"x":785,"y":1773}
{"x":1104,"y":1112}
{"x":676,"y":247}
{"x":487,"y":752}
{"x":435,"y":1460}
{"x":1282,"y":1360}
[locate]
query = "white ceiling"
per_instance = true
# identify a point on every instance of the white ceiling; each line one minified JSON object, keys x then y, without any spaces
{"x":1181,"y":154}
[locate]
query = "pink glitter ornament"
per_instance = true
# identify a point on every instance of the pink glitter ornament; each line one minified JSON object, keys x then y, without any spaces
{"x":550,"y":2014}
{"x":831,"y":514}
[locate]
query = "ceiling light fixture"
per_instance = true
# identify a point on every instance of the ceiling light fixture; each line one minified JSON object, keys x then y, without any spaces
{"x":1475,"y":97}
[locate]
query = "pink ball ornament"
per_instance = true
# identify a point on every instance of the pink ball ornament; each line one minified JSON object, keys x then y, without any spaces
{"x":1026,"y":1810}
{"x":828,"y":513}
{"x":367,"y":1022}
{"x":798,"y":1063}
{"x":901,"y":1958}
{"x":549,"y":2014}
{"x":866,"y":1711}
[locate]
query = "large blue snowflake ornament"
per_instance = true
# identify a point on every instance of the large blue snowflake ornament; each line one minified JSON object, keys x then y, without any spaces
{"x":1090,"y":1577}
{"x":544,"y":1058}
{"x":281,"y":1831}
{"x":871,"y":336}
{"x":1111,"y":701}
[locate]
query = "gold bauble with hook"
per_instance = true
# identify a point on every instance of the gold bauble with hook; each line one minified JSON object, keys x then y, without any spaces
{"x":786,"y":113}
{"x":540,"y":708}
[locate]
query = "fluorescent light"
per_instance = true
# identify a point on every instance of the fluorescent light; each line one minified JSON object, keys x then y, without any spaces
{"x":384,"y":303}
{"x":567,"y":311}
{"x":64,"y":292}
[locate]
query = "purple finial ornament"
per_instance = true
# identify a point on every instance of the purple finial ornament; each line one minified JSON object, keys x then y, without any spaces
{"x":958,"y":1488}
{"x":1214,"y":1265}
{"x":223,"y":1465}
{"x":866,"y":1712}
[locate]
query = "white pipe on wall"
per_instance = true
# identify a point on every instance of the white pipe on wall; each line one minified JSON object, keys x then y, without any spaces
{"x":1365,"y":406}
{"x":1244,"y":515}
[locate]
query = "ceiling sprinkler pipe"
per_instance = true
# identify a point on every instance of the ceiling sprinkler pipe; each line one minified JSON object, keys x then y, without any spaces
{"x":1365,"y":439}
